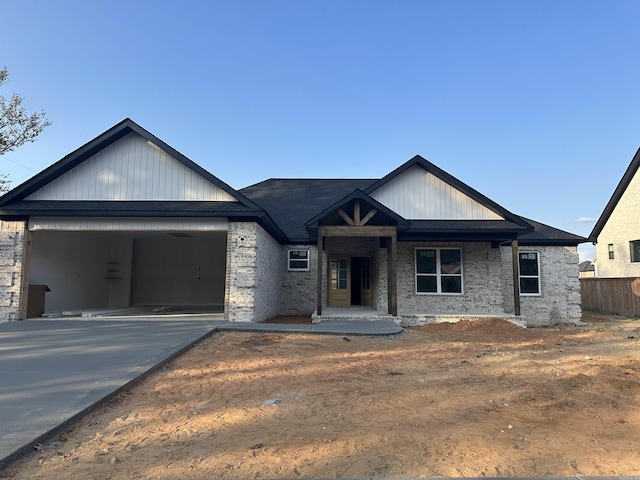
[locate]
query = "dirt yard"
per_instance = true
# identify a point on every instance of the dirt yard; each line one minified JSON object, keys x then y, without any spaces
{"x":482,"y":398}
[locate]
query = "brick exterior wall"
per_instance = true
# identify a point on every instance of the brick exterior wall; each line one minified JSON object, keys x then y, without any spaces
{"x":488,"y":284}
{"x":381,"y":282}
{"x":622,"y":227}
{"x":482,"y":280}
{"x":13,"y":237}
{"x":258,"y":285}
{"x":298,"y":293}
{"x":254,"y":274}
{"x":559,"y":301}
{"x":241,"y":272}
{"x":270,"y":267}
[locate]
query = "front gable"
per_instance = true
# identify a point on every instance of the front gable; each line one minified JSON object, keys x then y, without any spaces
{"x":419,"y":190}
{"x":128,"y":172}
{"x":356,"y":210}
{"x":125,"y":163}
{"x":420,"y":195}
{"x":131,"y":169}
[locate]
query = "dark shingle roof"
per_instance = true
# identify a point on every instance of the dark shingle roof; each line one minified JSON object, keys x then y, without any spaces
{"x":546,"y":235}
{"x":282,"y":206}
{"x":292,"y":202}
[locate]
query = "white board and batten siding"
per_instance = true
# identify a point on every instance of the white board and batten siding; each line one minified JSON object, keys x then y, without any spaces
{"x":419,"y":195}
{"x":131,"y":169}
{"x":127,"y":224}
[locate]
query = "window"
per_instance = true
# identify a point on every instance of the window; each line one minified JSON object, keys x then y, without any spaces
{"x":298,"y":260}
{"x":439,"y":270}
{"x":634,"y":246}
{"x":339,"y":274}
{"x":529,"y":273}
{"x":611,"y":251}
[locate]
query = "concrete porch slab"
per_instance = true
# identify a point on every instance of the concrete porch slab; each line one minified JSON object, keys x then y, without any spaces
{"x":406,"y":319}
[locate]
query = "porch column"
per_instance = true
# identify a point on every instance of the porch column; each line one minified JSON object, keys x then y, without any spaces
{"x":392,"y":279}
{"x":319,"y":285}
{"x":516,"y":277}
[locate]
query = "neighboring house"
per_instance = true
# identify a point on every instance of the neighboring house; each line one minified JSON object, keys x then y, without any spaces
{"x":617,"y":231}
{"x":126,"y":220}
{"x":586,"y":269}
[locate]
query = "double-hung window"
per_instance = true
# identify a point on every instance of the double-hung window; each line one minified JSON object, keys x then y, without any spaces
{"x":439,"y":270}
{"x":529,"y":273}
{"x":298,"y":260}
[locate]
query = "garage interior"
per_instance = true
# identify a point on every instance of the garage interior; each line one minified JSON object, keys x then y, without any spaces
{"x":98,"y":273}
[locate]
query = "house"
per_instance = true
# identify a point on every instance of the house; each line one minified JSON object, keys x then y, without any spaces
{"x":128,"y":221}
{"x":617,"y":231}
{"x":586,"y":269}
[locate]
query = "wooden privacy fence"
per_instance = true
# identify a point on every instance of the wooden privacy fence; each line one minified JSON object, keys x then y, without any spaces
{"x":620,"y":296}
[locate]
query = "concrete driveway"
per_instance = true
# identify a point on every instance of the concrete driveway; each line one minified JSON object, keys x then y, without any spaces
{"x":52,"y":371}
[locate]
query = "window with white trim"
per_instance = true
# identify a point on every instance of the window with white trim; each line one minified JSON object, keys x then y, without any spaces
{"x":610,"y":249}
{"x":298,"y":260}
{"x":439,"y":270}
{"x":529,"y":273}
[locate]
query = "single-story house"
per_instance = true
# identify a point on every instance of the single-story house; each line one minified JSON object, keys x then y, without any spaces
{"x":126,"y":220}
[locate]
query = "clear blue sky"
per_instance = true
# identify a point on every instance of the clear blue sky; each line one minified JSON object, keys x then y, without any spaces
{"x":536,"y":104}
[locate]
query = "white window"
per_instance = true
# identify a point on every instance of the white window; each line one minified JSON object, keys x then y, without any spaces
{"x":298,"y":260}
{"x":439,"y":270}
{"x":529,"y":273}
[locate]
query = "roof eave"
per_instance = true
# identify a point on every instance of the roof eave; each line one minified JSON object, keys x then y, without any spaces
{"x":566,"y":242}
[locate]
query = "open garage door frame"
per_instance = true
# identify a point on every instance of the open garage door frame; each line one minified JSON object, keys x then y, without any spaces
{"x":93,"y":264}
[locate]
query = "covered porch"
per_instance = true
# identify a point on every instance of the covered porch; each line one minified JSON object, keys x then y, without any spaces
{"x":367,"y":266}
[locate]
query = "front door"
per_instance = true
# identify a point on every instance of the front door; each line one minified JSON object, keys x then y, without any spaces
{"x":349,"y":281}
{"x":339,"y":282}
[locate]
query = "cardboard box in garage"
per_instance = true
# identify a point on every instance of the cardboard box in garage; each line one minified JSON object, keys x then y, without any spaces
{"x":35,"y":304}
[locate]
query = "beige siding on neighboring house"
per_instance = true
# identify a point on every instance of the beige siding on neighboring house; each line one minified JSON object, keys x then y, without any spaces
{"x":131,"y":169}
{"x":419,"y":195}
{"x":622,"y":227}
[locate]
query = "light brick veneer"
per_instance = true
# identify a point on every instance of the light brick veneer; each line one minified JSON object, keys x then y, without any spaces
{"x":559,"y":299}
{"x":12,"y":247}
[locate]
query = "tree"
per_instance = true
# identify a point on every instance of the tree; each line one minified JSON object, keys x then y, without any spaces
{"x":17,"y":126}
{"x":5,"y":183}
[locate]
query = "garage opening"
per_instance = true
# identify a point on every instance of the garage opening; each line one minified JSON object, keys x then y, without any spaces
{"x":160,"y":271}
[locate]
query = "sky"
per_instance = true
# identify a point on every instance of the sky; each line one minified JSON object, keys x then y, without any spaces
{"x":534,"y":103}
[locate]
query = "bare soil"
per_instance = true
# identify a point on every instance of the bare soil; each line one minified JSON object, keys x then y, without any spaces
{"x":483,"y":398}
